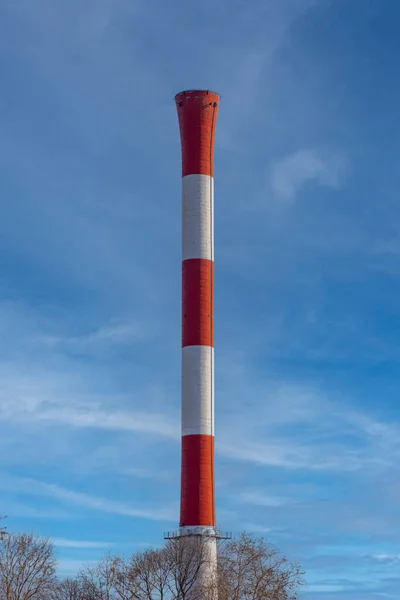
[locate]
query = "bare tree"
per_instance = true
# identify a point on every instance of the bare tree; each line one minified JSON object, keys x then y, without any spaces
{"x":186,"y":558}
{"x":170,"y":573}
{"x":98,"y":583}
{"x":248,"y":568}
{"x":68,"y":589}
{"x":27,"y":567}
{"x":160,"y":571}
{"x":124,"y":580}
{"x":144,"y":577}
{"x":251,"y":569}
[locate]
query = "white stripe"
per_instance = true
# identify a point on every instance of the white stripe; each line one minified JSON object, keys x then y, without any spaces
{"x":197,"y":217}
{"x":197,"y":390}
{"x":206,"y":530}
{"x":208,"y":569}
{"x":207,"y":574}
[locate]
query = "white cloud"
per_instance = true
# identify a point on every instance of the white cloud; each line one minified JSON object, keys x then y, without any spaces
{"x":301,"y":427}
{"x":141,"y":473}
{"x":291,"y":173}
{"x":387,"y":557}
{"x":65,"y":543}
{"x":80,"y":499}
{"x":262,"y":499}
{"x":42,"y":386}
{"x":255,"y":528}
{"x":244,"y":85}
{"x":142,"y":422}
{"x":14,"y":509}
{"x":30,"y":405}
{"x":69,"y":567}
{"x":108,"y":335}
{"x":297,"y":426}
{"x":325,"y":588}
{"x":282,"y":452}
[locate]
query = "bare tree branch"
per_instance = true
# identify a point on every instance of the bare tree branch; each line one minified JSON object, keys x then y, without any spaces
{"x":251,"y":569}
{"x":68,"y":589}
{"x":248,"y":568}
{"x":27,"y":567}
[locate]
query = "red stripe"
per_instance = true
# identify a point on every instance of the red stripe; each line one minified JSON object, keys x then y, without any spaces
{"x":197,"y":113}
{"x":197,"y":481}
{"x":197,"y":302}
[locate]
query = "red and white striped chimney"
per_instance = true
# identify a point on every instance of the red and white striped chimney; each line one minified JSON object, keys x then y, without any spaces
{"x":197,"y":112}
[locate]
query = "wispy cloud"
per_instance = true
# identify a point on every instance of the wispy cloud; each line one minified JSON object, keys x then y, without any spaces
{"x":303,"y":427}
{"x":28,"y":512}
{"x":147,"y":473}
{"x":69,"y":566}
{"x":45,"y":379}
{"x":34,"y":406}
{"x":262,"y":499}
{"x":110,"y":335}
{"x":291,"y":173}
{"x":83,"y":500}
{"x":65,"y":543}
{"x":147,"y":423}
{"x":387,"y":558}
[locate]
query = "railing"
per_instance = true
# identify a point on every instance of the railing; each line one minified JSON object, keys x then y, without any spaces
{"x":220,"y":535}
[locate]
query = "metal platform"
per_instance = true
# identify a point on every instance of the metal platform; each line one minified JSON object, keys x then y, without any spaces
{"x":217,"y":533}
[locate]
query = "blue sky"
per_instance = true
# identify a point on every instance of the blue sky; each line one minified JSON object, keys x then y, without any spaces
{"x":307,"y":276}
